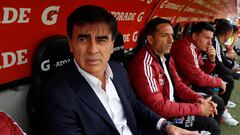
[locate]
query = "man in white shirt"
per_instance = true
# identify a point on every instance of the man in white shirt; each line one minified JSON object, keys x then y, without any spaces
{"x":91,"y":95}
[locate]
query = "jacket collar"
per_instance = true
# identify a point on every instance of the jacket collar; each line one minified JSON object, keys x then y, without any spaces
{"x":189,"y":38}
{"x":155,"y":56}
{"x":127,"y":107}
{"x":85,"y":92}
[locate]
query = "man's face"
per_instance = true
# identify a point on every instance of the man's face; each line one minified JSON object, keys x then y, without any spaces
{"x":161,"y":41}
{"x":203,"y":39}
{"x":92,"y":45}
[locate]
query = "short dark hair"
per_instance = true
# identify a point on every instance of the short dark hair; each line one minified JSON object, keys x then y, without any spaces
{"x":217,"y":20}
{"x":151,"y":26}
{"x":223,"y":27}
{"x":200,"y":26}
{"x":90,"y":14}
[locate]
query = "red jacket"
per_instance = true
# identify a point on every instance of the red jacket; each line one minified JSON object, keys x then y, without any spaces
{"x":8,"y":126}
{"x":151,"y":85}
{"x":190,"y":65}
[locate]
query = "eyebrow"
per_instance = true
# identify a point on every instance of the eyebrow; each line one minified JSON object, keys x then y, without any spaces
{"x":102,"y":37}
{"x":165,"y":33}
{"x":88,"y":35}
{"x":83,"y":36}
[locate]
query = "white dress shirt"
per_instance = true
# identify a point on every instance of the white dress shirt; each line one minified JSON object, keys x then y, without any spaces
{"x":109,"y":99}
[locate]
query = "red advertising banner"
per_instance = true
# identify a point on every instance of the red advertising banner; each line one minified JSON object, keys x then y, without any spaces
{"x":184,"y":11}
{"x":23,"y":24}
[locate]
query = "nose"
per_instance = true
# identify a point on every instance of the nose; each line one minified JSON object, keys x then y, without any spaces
{"x":170,"y":39}
{"x":92,"y":47}
{"x":210,"y":42}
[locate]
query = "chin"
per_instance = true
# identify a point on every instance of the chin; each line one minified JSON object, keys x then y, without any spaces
{"x":167,"y":52}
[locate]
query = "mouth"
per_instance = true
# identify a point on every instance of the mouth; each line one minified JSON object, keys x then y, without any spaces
{"x":170,"y":46}
{"x":93,"y":61}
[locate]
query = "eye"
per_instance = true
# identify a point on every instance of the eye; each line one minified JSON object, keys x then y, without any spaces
{"x":82,"y":39}
{"x":164,"y":34}
{"x":102,"y":40}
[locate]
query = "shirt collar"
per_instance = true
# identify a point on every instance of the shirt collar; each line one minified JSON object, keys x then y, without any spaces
{"x":163,"y":59}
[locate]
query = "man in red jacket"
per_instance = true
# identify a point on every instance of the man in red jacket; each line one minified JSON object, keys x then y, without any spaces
{"x":195,"y":70}
{"x":192,"y":68}
{"x":157,"y":84}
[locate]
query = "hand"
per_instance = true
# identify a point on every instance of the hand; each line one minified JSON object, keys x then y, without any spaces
{"x":173,"y":130}
{"x":214,"y":107}
{"x":211,"y":52}
{"x":223,"y":87}
{"x":235,"y":69}
{"x":232,"y":55}
{"x":200,"y":100}
{"x":208,"y":107}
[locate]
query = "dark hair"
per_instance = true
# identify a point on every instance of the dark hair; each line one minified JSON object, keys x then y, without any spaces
{"x":90,"y":14}
{"x":200,"y":26}
{"x":151,"y":26}
{"x":223,"y":27}
{"x":216,"y":21}
{"x":219,"y":20}
{"x":235,"y":28}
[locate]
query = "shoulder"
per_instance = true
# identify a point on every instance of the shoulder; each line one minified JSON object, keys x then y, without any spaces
{"x":60,"y":83}
{"x":56,"y":87}
{"x":180,"y":46}
{"x":182,"y":42}
{"x":116,"y":67}
{"x":145,"y":55}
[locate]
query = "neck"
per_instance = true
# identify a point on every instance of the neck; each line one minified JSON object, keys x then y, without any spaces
{"x":161,"y":55}
{"x":103,"y":80}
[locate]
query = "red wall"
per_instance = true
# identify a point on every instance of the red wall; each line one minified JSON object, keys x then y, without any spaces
{"x":24,"y":23}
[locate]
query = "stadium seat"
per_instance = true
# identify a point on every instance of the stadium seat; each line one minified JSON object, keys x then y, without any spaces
{"x":118,"y":50}
{"x":50,"y":56}
{"x":177,"y":31}
{"x":187,"y":29}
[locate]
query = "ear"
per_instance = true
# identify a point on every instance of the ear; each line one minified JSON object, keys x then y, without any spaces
{"x":150,"y":39}
{"x":194,"y":36}
{"x":225,"y":36}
